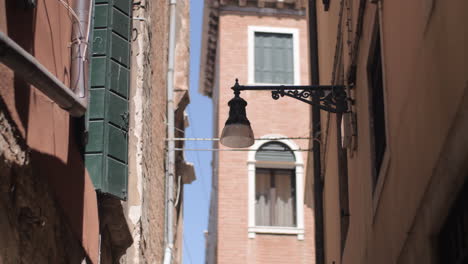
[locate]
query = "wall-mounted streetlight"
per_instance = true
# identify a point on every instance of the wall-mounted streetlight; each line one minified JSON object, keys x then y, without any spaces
{"x":237,"y":132}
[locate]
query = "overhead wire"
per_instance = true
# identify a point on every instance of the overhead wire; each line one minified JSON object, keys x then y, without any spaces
{"x":202,"y":181}
{"x":75,"y":16}
{"x":217,"y":139}
{"x":187,"y":248}
{"x":231,"y":149}
{"x":197,"y":161}
{"x":72,"y":12}
{"x":82,"y":38}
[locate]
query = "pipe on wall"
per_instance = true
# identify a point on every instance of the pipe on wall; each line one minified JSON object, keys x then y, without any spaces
{"x":28,"y":68}
{"x":80,"y":38}
{"x":170,"y":176}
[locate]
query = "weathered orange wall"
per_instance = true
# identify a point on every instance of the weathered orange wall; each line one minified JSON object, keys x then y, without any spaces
{"x":286,"y":117}
{"x":48,"y":130}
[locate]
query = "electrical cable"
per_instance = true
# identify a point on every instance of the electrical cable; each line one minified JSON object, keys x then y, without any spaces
{"x":187,"y":248}
{"x":77,"y":19}
{"x":217,"y":139}
{"x":230,"y":149}
{"x":202,"y":181}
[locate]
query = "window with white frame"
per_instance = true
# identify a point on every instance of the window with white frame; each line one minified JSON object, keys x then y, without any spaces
{"x":275,"y":189}
{"x":273,"y":58}
{"x":273,"y":55}
{"x":275,"y":197}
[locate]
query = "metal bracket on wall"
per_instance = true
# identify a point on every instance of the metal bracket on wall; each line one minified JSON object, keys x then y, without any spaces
{"x":330,"y":98}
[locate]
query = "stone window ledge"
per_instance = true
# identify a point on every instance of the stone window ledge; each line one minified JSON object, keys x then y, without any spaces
{"x":280,"y":230}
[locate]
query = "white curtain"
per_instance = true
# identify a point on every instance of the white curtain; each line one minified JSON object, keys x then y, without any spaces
{"x":274,"y":201}
{"x":284,"y":202}
{"x":262,"y":198}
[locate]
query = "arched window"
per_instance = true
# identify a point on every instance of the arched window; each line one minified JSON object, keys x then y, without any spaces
{"x":275,"y":189}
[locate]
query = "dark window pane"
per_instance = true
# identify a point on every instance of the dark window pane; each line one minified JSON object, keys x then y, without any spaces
{"x":378,"y":107}
{"x":453,"y":238}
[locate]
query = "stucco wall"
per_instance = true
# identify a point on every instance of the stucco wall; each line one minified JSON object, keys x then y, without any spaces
{"x":147,"y":133}
{"x":285,"y":117}
{"x":424,"y":63}
{"x":33,"y":226}
{"x":54,"y":179}
{"x":145,"y":208}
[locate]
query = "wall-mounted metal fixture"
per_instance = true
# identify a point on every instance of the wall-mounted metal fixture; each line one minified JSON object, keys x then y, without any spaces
{"x":237,"y":132}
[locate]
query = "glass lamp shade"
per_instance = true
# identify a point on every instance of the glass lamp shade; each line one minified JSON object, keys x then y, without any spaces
{"x":237,"y":136}
{"x":237,"y":132}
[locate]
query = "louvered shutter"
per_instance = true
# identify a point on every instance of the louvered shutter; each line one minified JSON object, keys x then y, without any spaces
{"x":106,"y":152}
{"x":273,"y":59}
{"x":275,"y":151}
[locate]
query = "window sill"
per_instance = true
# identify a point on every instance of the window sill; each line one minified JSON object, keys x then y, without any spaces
{"x":276,"y":230}
{"x":271,"y":84}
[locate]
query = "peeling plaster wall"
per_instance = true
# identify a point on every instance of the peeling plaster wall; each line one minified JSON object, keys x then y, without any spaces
{"x":145,"y":208}
{"x":153,"y":136}
{"x":33,"y":227}
{"x":140,"y":83}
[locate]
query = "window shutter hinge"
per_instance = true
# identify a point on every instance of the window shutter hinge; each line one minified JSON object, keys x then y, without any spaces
{"x":125,"y":121}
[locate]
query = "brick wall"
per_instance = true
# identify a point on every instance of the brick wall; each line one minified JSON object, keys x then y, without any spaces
{"x":286,"y":117}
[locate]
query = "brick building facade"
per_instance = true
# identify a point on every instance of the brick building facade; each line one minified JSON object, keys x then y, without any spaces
{"x":233,"y":32}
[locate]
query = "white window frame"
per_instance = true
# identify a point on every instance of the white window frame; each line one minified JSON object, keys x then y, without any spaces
{"x":251,"y":51}
{"x":298,"y":165}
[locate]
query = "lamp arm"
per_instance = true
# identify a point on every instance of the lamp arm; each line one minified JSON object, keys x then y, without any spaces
{"x":330,"y":98}
{"x":285,"y":87}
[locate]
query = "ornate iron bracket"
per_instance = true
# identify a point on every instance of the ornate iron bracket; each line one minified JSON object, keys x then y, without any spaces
{"x":330,"y":98}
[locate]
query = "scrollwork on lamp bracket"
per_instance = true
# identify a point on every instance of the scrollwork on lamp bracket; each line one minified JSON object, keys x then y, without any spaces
{"x":330,"y":98}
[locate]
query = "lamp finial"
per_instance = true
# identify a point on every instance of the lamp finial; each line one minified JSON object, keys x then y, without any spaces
{"x":236,"y":88}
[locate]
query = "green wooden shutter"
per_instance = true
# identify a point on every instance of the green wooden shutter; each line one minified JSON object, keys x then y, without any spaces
{"x":274,"y":60}
{"x":106,"y":152}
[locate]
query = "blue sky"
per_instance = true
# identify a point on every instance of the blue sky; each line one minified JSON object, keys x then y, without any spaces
{"x":197,"y":194}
